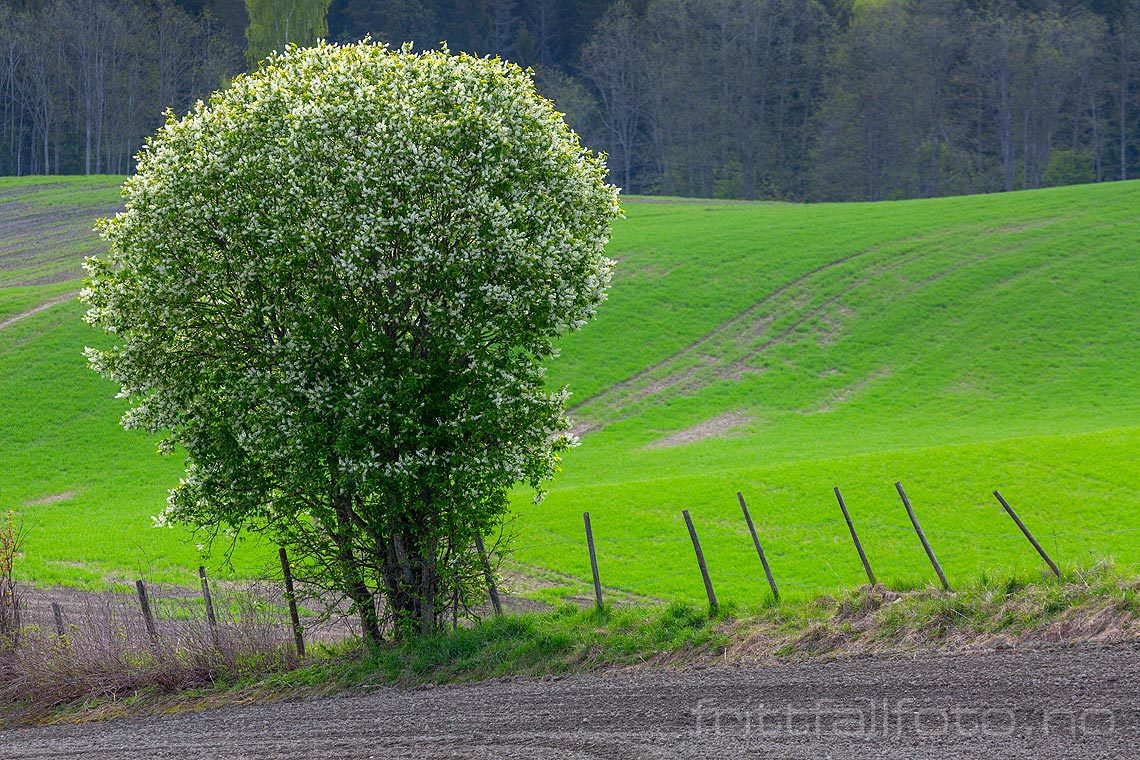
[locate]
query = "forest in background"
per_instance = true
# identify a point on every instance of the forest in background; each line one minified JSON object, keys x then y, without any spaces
{"x":770,"y":99}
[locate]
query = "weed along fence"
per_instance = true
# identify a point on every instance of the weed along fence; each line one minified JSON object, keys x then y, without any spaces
{"x":184,"y":608}
{"x":71,"y":644}
{"x":767,"y":576}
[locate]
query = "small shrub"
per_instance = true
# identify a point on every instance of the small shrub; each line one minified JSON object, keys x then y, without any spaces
{"x":1069,"y":167}
{"x":11,"y":537}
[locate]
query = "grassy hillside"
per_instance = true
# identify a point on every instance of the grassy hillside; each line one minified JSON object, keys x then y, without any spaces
{"x":957,"y":345}
{"x":84,"y":488}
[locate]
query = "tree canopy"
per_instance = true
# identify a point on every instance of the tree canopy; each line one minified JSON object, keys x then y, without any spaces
{"x":335,"y":286}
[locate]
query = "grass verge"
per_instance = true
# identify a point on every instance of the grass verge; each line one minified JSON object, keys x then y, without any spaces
{"x":1094,"y":605}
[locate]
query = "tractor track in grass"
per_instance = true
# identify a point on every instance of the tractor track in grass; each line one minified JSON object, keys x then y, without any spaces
{"x":1081,"y":702}
{"x":742,"y":317}
{"x":671,"y":374}
{"x":812,"y":310}
{"x":6,"y":323}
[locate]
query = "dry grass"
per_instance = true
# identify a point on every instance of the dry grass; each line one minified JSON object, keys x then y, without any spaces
{"x":1092,"y":606}
{"x":107,"y":654}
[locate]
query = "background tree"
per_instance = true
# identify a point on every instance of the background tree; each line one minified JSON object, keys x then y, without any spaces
{"x":275,"y":24}
{"x":336,"y":285}
{"x":1125,"y":87}
{"x":789,"y":99}
{"x":613,"y":64}
{"x":83,"y":81}
{"x":1068,"y":167}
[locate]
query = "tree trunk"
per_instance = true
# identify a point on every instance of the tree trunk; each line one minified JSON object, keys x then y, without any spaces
{"x":429,"y":583}
{"x":411,"y":582}
{"x":362,"y":598}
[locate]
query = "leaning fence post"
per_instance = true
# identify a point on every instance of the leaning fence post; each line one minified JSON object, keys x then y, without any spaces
{"x":593,"y":560}
{"x":922,"y":537}
{"x":701,"y":563}
{"x":759,"y":548}
{"x":148,"y":618}
{"x":855,"y":537}
{"x":489,"y":575}
{"x":209,"y":600}
{"x":1052,"y":565}
{"x":291,"y":597}
{"x":57,"y":611}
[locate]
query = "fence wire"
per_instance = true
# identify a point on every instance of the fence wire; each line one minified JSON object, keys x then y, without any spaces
{"x":725,"y":566}
{"x":733,"y":563}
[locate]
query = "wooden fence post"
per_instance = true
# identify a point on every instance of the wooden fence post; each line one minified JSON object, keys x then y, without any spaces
{"x":209,"y":600}
{"x":57,"y":611}
{"x":148,"y":618}
{"x":1048,"y":560}
{"x":291,"y":597}
{"x":496,"y":604}
{"x":701,"y":563}
{"x":593,"y":560}
{"x":759,"y":548}
{"x":855,"y":537}
{"x":922,"y":537}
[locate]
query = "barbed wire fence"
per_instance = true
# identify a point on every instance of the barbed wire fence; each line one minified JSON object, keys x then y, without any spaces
{"x":767,"y":576}
{"x":268,"y":615}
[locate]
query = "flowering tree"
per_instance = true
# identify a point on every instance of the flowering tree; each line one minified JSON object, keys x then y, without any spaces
{"x":335,"y":285}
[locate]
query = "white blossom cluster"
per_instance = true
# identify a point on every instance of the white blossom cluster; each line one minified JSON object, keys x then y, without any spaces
{"x":343,"y":274}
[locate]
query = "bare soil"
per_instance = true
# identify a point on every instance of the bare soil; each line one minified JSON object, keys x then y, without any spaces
{"x":172,"y":603}
{"x":717,"y":427}
{"x":1074,"y":703}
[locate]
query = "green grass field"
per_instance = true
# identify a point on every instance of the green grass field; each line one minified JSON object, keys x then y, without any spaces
{"x":957,"y":345}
